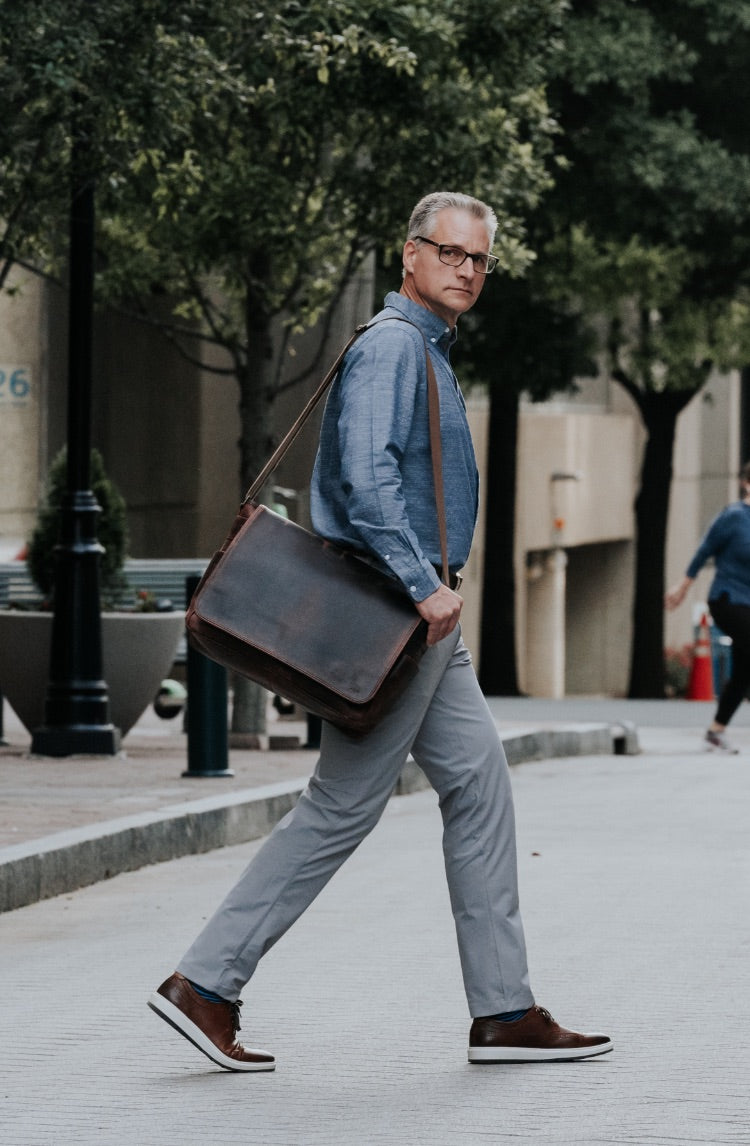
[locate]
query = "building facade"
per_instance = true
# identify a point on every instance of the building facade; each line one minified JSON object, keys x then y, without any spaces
{"x":168,"y":428}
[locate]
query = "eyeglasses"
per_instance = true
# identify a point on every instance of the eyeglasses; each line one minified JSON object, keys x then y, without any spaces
{"x":457,"y":256}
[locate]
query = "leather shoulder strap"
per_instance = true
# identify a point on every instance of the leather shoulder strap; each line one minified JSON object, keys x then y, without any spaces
{"x":436,"y":452}
{"x":276,"y":457}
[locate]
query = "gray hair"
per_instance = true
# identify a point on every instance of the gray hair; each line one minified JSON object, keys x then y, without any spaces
{"x":424,"y":216}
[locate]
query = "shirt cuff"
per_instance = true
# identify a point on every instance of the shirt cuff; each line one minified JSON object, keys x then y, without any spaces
{"x":420,"y":581}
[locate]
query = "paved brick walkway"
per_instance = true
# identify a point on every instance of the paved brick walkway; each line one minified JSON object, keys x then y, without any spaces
{"x":634,"y":874}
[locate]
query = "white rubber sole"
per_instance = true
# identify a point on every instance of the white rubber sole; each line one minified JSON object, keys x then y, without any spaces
{"x":174,"y":1016}
{"x":534,"y":1054}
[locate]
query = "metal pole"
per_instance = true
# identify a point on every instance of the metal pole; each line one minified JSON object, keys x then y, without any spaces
{"x":77,"y":719}
{"x":207,"y":716}
{"x":314,"y":729}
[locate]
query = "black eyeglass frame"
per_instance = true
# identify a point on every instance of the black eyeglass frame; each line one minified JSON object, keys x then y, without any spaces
{"x":492,"y":260}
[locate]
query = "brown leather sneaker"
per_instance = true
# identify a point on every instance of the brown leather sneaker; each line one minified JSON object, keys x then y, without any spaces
{"x":211,"y":1027}
{"x":534,"y":1038}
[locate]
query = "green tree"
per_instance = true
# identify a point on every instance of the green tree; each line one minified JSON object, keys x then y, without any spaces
{"x":248,"y":159}
{"x":236,"y":152}
{"x":61,"y":60}
{"x":656,"y":114}
{"x":112,"y":530}
{"x":647,"y":231}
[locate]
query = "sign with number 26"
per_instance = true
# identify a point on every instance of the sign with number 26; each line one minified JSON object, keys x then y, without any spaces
{"x":15,"y":385}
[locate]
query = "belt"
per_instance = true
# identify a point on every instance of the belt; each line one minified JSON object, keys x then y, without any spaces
{"x":454,"y":579}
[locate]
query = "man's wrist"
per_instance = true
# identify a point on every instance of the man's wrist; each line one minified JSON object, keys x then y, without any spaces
{"x":421,"y":583}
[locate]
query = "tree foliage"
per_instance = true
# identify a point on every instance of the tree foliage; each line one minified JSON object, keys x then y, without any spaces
{"x":653,"y":228}
{"x":59,"y":58}
{"x":112,"y":529}
{"x":644,"y":240}
{"x":248,"y":158}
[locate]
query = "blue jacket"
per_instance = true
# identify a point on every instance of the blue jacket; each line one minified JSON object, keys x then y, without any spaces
{"x":727,"y":540}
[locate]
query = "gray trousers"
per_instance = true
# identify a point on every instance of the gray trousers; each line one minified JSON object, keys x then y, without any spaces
{"x":443,"y":720}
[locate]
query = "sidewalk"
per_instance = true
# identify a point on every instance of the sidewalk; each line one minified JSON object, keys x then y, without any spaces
{"x":66,"y":823}
{"x":634,"y":873}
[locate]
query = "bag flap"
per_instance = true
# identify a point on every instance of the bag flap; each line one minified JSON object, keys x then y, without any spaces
{"x":321,"y":610}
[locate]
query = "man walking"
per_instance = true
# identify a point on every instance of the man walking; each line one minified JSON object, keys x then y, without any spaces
{"x":372,"y":490}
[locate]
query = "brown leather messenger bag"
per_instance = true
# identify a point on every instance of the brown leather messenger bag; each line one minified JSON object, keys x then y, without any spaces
{"x":308,"y":620}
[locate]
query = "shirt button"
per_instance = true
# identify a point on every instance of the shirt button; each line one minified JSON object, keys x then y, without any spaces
{"x":412,"y":588}
{"x":433,"y":340}
{"x":387,"y":556}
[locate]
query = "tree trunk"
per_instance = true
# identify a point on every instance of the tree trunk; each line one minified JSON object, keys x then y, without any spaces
{"x":258,"y":391}
{"x":497,"y":665}
{"x":659,"y":412}
{"x":257,"y":396}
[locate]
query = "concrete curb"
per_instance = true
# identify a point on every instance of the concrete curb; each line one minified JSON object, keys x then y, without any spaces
{"x":63,"y":862}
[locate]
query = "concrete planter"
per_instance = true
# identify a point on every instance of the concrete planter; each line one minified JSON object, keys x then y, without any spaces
{"x":138,"y":650}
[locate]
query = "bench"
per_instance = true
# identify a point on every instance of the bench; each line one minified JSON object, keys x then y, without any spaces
{"x":164,"y":577}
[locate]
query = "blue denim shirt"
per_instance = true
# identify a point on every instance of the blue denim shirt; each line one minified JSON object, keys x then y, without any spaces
{"x":727,"y":540}
{"x":372,"y":486}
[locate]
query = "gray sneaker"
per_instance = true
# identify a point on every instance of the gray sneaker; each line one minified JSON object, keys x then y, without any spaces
{"x":717,"y":742}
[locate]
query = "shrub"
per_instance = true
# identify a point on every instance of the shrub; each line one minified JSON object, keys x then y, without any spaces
{"x":112,"y":530}
{"x":677,"y":666}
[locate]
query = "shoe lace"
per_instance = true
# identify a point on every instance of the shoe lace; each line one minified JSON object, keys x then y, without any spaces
{"x":235,"y":1013}
{"x":545,"y":1014}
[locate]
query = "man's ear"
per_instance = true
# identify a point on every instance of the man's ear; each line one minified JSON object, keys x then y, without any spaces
{"x":409,"y":253}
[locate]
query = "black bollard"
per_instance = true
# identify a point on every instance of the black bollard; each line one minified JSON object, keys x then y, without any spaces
{"x":206,"y":711}
{"x":2,"y":726}
{"x":314,"y":729}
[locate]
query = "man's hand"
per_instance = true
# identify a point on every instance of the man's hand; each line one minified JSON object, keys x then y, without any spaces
{"x":441,"y":610}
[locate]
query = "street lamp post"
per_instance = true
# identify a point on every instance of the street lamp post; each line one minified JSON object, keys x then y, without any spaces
{"x":76,"y":718}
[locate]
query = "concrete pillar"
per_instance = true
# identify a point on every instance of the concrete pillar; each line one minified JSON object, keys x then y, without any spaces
{"x":21,"y":411}
{"x":545,"y":623}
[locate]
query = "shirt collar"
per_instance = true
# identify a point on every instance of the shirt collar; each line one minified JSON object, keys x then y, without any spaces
{"x":433,"y":327}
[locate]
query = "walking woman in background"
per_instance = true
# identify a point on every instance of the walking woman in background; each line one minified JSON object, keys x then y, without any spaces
{"x":728,"y":542}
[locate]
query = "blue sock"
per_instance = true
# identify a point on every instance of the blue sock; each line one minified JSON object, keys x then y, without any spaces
{"x":510,"y":1016}
{"x":204,"y":994}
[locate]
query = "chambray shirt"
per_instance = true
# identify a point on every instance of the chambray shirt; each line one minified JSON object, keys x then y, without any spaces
{"x":727,"y":540}
{"x":372,"y":487}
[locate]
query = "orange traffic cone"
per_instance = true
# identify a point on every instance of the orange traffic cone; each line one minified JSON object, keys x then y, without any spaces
{"x":701,"y":686}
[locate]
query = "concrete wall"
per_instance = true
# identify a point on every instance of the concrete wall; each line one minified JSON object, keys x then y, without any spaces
{"x":22,"y":409}
{"x":576,"y":472}
{"x":598,"y":618}
{"x":592,"y":456}
{"x":146,"y":420}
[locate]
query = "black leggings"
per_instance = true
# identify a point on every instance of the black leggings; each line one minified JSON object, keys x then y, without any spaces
{"x":734,"y":620}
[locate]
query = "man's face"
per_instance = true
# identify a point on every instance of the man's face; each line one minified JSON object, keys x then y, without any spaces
{"x":446,"y":291}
